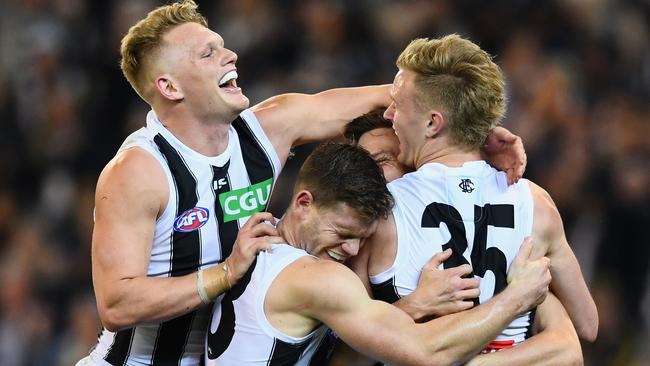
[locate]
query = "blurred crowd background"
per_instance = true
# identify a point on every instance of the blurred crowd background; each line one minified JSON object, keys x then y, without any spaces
{"x":578,"y":74}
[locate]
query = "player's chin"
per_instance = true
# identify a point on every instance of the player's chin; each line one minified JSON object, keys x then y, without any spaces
{"x":237,"y":102}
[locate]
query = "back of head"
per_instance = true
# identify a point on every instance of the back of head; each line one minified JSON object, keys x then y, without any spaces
{"x":141,"y":43}
{"x":458,"y":77}
{"x":367,"y":122}
{"x":342,"y":173}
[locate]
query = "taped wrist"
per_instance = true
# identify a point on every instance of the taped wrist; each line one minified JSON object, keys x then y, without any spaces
{"x":213,"y":281}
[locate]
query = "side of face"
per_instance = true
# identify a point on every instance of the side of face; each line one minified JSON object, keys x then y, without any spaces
{"x":195,"y":61}
{"x":383,"y":146}
{"x":334,"y":233}
{"x":409,"y":121}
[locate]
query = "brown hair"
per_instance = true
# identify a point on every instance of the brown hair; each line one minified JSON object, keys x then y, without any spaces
{"x":342,"y":173}
{"x":457,"y":76}
{"x":145,"y":37}
{"x":367,"y":122}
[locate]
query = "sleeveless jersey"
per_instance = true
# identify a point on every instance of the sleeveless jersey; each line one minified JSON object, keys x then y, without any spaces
{"x":470,"y":209}
{"x":210,"y":198}
{"x":240,"y":334}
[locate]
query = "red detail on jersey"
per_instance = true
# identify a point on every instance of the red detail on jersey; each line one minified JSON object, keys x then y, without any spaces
{"x":495,"y":346}
{"x":191,"y":219}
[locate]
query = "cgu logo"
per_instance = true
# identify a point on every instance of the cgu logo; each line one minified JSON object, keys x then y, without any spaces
{"x":245,"y":201}
{"x":191,"y":219}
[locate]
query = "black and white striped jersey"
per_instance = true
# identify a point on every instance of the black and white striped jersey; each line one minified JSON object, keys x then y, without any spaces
{"x":470,"y":209}
{"x":210,"y":199}
{"x":240,"y":333}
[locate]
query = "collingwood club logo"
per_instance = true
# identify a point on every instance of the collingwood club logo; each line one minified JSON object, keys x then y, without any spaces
{"x":466,"y":185}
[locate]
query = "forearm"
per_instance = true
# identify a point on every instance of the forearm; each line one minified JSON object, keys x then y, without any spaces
{"x":459,"y":336}
{"x":569,"y":286}
{"x":127,"y":302}
{"x":348,"y":103}
{"x":547,"y":348}
{"x":406,"y":306}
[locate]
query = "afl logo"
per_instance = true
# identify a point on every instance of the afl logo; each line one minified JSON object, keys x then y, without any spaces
{"x":191,"y":219}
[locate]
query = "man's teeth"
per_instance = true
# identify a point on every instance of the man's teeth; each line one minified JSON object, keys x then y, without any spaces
{"x":230,"y":75}
{"x":337,"y":257}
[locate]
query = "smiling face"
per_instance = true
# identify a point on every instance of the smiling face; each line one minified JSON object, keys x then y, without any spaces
{"x":334,"y":233}
{"x":203,"y":71}
{"x":409,"y":120}
{"x":383,"y":146}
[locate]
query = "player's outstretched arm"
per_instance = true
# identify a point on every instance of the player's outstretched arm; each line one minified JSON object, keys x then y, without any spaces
{"x":132,"y":192}
{"x":555,"y":342}
{"x":330,"y":292}
{"x":568,"y":283}
{"x":294,"y":119}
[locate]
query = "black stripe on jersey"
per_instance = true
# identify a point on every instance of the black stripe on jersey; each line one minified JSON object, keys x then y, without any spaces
{"x":324,"y":351}
{"x":120,"y":348}
{"x":227,"y":230}
{"x":219,"y":341}
{"x":385,"y":291}
{"x":257,"y":161}
{"x":186,"y":246}
{"x":286,"y":354}
{"x":186,"y":253}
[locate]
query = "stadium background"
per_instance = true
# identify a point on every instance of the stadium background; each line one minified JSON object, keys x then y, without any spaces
{"x":578,"y":82}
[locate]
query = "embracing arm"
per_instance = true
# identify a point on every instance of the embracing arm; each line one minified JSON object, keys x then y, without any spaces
{"x":131,"y":193}
{"x":505,"y":151}
{"x":439,"y":292}
{"x":294,"y":119}
{"x":568,"y":283}
{"x":556,"y":341}
{"x":384,"y":332}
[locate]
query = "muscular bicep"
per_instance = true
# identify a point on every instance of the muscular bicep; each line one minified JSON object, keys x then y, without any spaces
{"x":129,"y":196}
{"x":372,"y":327}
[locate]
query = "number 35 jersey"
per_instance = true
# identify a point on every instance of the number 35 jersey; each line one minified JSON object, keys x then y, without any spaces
{"x":470,"y":209}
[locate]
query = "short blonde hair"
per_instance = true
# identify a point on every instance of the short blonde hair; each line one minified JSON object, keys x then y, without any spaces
{"x":457,"y":76}
{"x":145,"y":37}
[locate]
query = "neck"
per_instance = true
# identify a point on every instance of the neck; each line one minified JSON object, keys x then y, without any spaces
{"x":207,"y":136}
{"x":449,"y":155}
{"x":285,"y":230}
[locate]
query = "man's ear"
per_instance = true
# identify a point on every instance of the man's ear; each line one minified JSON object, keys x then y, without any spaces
{"x":303,"y":203}
{"x":435,"y":124}
{"x":167,"y":88}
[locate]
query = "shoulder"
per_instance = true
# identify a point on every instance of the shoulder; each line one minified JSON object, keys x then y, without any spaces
{"x":133,"y":175}
{"x":547,"y":222}
{"x":131,"y":165}
{"x":381,"y":247}
{"x":317,"y":283}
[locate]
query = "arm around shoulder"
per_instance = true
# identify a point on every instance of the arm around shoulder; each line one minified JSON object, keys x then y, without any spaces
{"x":382,"y":331}
{"x":294,"y":119}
